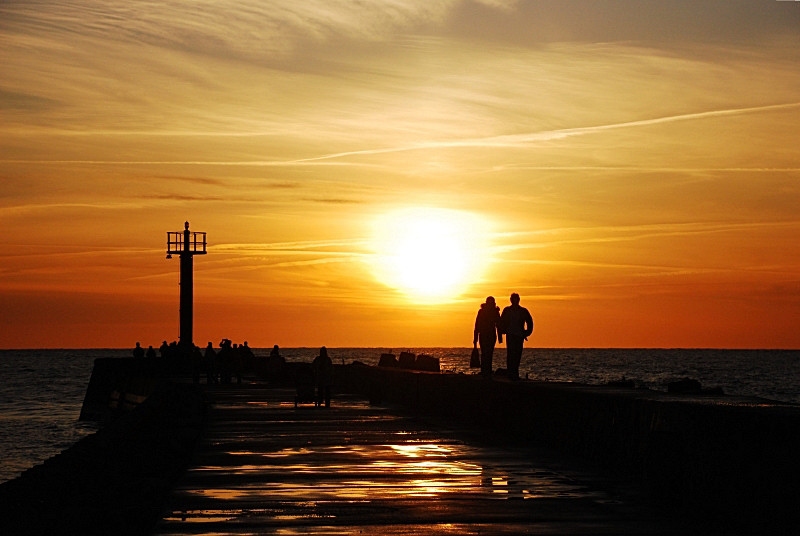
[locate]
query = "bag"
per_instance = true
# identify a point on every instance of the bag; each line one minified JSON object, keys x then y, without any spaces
{"x":475,"y":359}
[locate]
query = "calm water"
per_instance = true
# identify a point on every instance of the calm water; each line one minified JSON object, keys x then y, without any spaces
{"x":41,"y":391}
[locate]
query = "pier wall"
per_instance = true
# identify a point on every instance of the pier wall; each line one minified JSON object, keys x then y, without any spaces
{"x":713,"y":458}
{"x":114,"y":481}
{"x":119,"y":385}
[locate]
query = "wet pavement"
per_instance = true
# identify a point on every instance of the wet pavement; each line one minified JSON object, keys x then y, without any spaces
{"x":268,"y":467}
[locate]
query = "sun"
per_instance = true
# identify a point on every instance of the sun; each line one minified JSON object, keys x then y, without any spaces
{"x":429,"y":254}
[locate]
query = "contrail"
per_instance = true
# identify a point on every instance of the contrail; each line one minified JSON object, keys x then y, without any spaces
{"x":509,"y":140}
{"x":512,"y":140}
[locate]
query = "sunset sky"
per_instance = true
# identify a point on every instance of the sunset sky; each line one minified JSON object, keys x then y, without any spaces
{"x":368,"y":172}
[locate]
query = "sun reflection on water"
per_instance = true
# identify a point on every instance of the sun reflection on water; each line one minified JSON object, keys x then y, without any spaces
{"x":369,"y":472}
{"x":418,"y":450}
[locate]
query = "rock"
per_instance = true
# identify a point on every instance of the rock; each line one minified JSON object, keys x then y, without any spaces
{"x":388,"y":360}
{"x":684,"y":386}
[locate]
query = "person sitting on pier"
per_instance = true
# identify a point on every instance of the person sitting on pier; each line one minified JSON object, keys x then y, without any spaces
{"x":151,"y":352}
{"x":323,"y":376}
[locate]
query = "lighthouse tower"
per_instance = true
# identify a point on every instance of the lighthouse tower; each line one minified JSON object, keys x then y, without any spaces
{"x":186,"y":244}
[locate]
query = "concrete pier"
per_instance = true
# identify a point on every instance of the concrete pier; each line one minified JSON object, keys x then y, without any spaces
{"x":722,"y":462}
{"x":265,"y":466}
{"x":409,"y":452}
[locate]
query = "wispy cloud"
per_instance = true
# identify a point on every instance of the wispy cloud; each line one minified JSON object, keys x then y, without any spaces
{"x":505,"y":141}
{"x":306,"y":246}
{"x":243,"y":28}
{"x":185,"y":197}
{"x":521,"y":140}
{"x":31,"y":208}
{"x":628,"y":233}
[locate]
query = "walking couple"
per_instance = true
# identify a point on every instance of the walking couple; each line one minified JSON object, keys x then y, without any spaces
{"x":515,"y":323}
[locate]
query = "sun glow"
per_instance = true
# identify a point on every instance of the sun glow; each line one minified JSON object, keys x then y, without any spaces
{"x":429,"y":253}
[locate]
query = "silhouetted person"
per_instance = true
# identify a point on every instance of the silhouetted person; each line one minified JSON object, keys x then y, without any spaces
{"x":210,"y":357}
{"x":173,"y":351}
{"x":323,"y":376}
{"x":225,"y":361}
{"x":487,"y":332}
{"x":248,"y":357}
{"x":275,"y":363}
{"x":163,"y":349}
{"x":197,"y":363}
{"x":237,"y":363}
{"x":517,"y":324}
{"x":138,"y":352}
{"x":151,"y":352}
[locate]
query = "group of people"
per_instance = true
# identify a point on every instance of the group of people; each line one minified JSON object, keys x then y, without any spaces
{"x":221,"y":366}
{"x":139,"y":352}
{"x":515,"y":323}
{"x":229,"y":362}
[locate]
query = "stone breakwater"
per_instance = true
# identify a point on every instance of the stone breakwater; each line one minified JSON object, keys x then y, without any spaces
{"x":114,"y":481}
{"x":722,"y":462}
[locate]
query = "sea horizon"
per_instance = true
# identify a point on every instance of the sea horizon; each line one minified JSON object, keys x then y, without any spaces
{"x":499,"y":346}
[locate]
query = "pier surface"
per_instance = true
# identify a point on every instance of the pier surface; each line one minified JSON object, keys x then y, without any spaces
{"x":265,"y":466}
{"x":404,"y":452}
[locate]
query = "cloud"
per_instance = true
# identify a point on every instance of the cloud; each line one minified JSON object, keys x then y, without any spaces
{"x":673,"y":22}
{"x":304,"y":246}
{"x":520,"y":140}
{"x":624,"y":233}
{"x":257,"y":29}
{"x":335,"y":201}
{"x":243,"y":28}
{"x":184,"y":197}
{"x":48,"y":208}
{"x":205,"y":181}
{"x":12,"y":100}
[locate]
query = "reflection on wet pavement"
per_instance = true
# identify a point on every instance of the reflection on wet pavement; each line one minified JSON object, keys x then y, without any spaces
{"x":268,"y":467}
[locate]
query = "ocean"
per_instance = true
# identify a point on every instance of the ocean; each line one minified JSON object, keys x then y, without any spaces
{"x":41,"y":391}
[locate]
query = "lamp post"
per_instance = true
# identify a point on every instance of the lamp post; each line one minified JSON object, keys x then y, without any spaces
{"x":187,"y":244}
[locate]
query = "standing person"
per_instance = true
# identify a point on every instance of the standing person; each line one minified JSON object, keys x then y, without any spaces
{"x":517,"y":324}
{"x":275,"y":363}
{"x":210,"y":358}
{"x":225,"y":361}
{"x":197,"y":363}
{"x":247,"y":356}
{"x":138,"y":352}
{"x":487,"y":332}
{"x":323,"y":376}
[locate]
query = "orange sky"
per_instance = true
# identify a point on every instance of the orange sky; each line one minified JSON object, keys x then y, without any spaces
{"x":631,"y":168}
